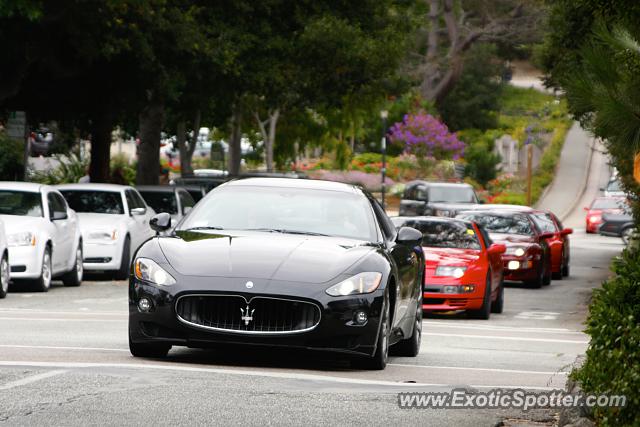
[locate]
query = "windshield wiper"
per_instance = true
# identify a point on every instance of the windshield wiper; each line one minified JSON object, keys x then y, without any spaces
{"x":203,"y":227}
{"x":286,"y":231}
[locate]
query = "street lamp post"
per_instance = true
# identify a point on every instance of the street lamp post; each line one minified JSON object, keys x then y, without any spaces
{"x":383,"y":115}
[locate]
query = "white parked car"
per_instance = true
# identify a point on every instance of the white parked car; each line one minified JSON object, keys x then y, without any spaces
{"x":4,"y":262}
{"x":114,"y":220}
{"x":42,"y":234}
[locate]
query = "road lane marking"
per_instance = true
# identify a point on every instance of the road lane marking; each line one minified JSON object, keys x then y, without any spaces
{"x":58,"y":319}
{"x":83,"y":312}
{"x":497,"y":337}
{"x":51,"y":347}
{"x":460,"y":368}
{"x":502,"y":328}
{"x":537,"y":315}
{"x":32,"y":379}
{"x":245,"y":372}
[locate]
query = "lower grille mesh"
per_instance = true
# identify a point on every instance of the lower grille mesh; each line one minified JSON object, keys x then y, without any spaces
{"x":260,"y":315}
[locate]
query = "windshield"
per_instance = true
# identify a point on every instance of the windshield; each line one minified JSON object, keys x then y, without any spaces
{"x":446,"y":234}
{"x":515,"y":224}
{"x":451,"y":194}
{"x":614,"y":186}
{"x":21,"y":203}
{"x":91,"y":201}
{"x":161,"y":201}
{"x":608,"y":204}
{"x":330,"y":213}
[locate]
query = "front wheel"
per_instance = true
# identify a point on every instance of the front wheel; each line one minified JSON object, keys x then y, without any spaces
{"x":381,"y":356}
{"x":410,"y":347}
{"x":43,"y":283}
{"x":5,"y":276}
{"x":498,"y":304}
{"x":153,"y":350}
{"x":627,"y":233}
{"x":483,"y":312}
{"x":74,"y":276}
{"x":123,"y":272}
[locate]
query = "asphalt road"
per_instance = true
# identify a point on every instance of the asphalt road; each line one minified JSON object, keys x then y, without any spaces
{"x":64,"y":360}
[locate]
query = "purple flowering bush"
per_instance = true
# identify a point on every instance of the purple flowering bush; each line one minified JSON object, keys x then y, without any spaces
{"x":423,"y":135}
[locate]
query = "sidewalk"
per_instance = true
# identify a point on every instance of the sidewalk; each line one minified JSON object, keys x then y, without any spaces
{"x":571,"y":174}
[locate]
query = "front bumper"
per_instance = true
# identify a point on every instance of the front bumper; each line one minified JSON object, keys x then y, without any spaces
{"x":25,"y":262}
{"x":101,"y":256}
{"x":336,"y":331}
{"x":528,"y":269}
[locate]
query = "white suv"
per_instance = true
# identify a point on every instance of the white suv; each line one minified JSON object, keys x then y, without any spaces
{"x":42,"y":234}
{"x":114,"y":220}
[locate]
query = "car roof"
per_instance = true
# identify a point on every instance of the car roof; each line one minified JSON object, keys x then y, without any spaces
{"x":311,"y":184}
{"x":439,"y":184}
{"x":93,"y":186}
{"x":158,"y":188}
{"x":429,"y":219}
{"x":34,"y":187}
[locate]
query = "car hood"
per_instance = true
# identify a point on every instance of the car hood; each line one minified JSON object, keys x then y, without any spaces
{"x":98,"y":221}
{"x":449,"y":256}
{"x":18,"y":223}
{"x":261,"y":255}
{"x":512,"y":239}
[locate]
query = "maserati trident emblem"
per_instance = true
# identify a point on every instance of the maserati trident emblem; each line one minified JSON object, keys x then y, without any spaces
{"x":249,"y":285}
{"x":247,"y":315}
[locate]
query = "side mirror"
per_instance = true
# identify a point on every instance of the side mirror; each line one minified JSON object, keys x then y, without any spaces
{"x":497,"y":248}
{"x":566,"y":231}
{"x":57,"y":216}
{"x":544,"y":236}
{"x":138,"y":211}
{"x":160,"y":222}
{"x":409,"y":236}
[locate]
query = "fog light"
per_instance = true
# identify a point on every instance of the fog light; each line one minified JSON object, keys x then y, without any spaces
{"x":144,"y":305}
{"x":450,"y":289}
{"x":513,"y":265}
{"x":361,"y":318}
{"x":467,"y":288}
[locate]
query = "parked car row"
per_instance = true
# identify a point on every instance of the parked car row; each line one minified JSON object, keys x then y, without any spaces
{"x":469,"y":257}
{"x":59,"y":232}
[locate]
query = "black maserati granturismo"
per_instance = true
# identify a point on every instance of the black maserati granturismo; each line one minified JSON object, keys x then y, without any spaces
{"x":280,"y":262}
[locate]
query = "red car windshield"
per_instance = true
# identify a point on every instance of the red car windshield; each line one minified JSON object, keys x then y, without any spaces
{"x":446,"y":234}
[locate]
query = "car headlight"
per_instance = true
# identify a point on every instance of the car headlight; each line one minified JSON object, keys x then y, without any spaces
{"x":450,"y":271}
{"x":106,"y":235}
{"x":362,"y":283}
{"x":26,"y":238}
{"x":147,"y":270}
{"x":515,"y":250}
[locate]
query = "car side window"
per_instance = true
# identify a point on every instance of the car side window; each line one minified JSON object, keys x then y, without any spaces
{"x":485,"y":236}
{"x":55,"y":204}
{"x":422,"y":193}
{"x":388,"y":229}
{"x":131,"y":203}
{"x":61,"y":201}
{"x":409,"y":192}
{"x":186,"y":201}
{"x":544,"y":222}
{"x":139,"y":201}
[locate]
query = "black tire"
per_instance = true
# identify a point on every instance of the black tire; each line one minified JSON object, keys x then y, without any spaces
{"x":410,"y":347}
{"x":381,"y":356}
{"x":5,"y":275}
{"x":537,"y":282}
{"x":74,"y":276}
{"x":43,"y":283}
{"x":566,"y":270}
{"x":154,"y":350}
{"x":498,"y":305}
{"x":626,"y":235}
{"x":125,"y":264}
{"x":483,"y":312}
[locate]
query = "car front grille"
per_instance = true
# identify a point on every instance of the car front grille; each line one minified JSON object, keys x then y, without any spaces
{"x":256,"y":315}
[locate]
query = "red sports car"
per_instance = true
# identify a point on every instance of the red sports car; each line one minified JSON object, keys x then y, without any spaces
{"x":559,"y":245}
{"x":463,"y":271}
{"x":528,"y":255}
{"x":599,"y":206}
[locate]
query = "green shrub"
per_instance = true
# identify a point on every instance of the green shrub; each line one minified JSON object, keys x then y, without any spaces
{"x":612,"y":364}
{"x":481,"y":161}
{"x":69,"y":170}
{"x":11,"y":158}
{"x":510,"y":198}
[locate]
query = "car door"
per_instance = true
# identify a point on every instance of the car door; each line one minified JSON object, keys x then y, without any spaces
{"x":144,"y":219}
{"x":408,"y":266}
{"x":62,"y":235}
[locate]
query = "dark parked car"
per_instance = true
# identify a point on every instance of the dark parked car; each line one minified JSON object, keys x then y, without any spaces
{"x":280,"y":262}
{"x":436,"y":199}
{"x":617,"y":225}
{"x":176,"y":201}
{"x":207,"y":183}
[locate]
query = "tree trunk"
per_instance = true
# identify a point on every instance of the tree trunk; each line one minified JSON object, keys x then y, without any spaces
{"x":151,"y":122}
{"x":235,"y":151}
{"x":269,"y":137}
{"x":101,"y":126}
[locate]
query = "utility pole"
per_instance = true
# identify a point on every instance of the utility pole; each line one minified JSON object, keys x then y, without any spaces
{"x":383,"y":115}
{"x":529,"y":172}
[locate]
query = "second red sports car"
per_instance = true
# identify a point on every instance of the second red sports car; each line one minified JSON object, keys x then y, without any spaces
{"x":599,"y":206}
{"x":463,"y":268}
